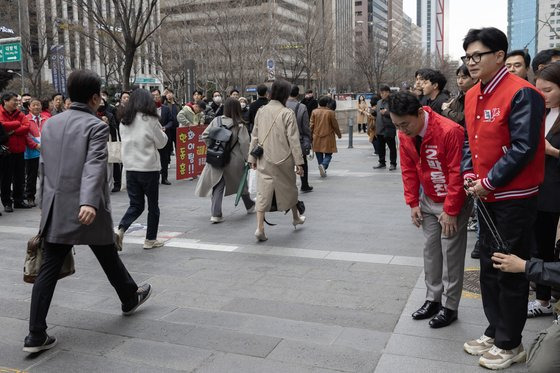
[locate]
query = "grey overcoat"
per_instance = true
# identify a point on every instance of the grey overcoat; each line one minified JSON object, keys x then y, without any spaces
{"x":282,"y":151}
{"x":233,"y":172}
{"x":73,"y":169}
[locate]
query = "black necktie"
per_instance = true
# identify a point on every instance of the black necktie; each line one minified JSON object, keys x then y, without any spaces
{"x":418,"y":143}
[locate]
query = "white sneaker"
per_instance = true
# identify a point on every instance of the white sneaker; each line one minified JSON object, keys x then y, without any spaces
{"x":536,"y":309}
{"x":479,"y":346}
{"x":322,"y":171}
{"x":152,"y":244}
{"x":216,"y":219}
{"x":252,"y":210}
{"x":497,"y":358}
{"x":119,"y":236}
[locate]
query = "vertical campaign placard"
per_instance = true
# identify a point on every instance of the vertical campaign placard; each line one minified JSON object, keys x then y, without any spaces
{"x":190,"y":152}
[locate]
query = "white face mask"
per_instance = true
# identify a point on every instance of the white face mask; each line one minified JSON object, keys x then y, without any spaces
{"x":217,"y":100}
{"x":243,"y":105}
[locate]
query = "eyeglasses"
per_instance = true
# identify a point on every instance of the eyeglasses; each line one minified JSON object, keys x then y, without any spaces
{"x":475,"y":57}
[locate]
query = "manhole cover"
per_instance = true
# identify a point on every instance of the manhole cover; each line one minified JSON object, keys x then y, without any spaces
{"x":471,"y":282}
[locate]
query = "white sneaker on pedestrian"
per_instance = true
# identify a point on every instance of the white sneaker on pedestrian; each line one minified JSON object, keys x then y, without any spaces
{"x":322,"y":171}
{"x":496,"y":358}
{"x":479,"y":346}
{"x":119,"y":236}
{"x":252,"y":210}
{"x":536,"y":309}
{"x":152,"y":244}
{"x":216,"y":219}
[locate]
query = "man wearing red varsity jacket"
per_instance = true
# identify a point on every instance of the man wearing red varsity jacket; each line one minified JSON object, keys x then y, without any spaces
{"x":430,"y":154}
{"x":503,"y":155}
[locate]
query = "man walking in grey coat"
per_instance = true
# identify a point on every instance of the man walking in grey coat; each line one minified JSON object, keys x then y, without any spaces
{"x":75,"y":204}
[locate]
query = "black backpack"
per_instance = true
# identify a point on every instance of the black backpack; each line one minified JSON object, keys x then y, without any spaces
{"x":218,"y":153}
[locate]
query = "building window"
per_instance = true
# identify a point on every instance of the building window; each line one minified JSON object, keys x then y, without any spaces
{"x":359,"y":13}
{"x":358,"y":3}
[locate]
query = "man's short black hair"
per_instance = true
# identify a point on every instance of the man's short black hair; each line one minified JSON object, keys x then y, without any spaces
{"x":155,"y":89}
{"x":57,"y":94}
{"x":522,"y":53}
{"x":491,"y":37}
{"x":262,"y":89}
{"x":26,"y":94}
{"x":232,"y":91}
{"x":197,"y":91}
{"x":83,"y":85}
{"x":434,"y":76}
{"x":309,"y":91}
{"x":422,"y":72}
{"x":105,"y":92}
{"x":404,"y":103}
{"x":324,"y":100}
{"x":125,"y":93}
{"x":384,"y":88}
{"x":543,"y":58}
{"x":8,"y":96}
{"x":295,"y":91}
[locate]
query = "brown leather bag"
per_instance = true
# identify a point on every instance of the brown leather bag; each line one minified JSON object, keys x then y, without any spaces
{"x":34,"y":259}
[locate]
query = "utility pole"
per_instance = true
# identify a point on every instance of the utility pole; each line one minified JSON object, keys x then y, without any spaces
{"x":21,"y":46}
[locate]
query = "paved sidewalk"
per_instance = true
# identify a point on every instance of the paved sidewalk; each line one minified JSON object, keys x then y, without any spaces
{"x":335,"y":295}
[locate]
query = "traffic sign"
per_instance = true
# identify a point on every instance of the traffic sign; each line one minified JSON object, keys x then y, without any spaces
{"x":10,"y":52}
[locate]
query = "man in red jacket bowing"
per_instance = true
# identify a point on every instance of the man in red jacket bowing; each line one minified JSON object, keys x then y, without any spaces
{"x":430,"y":154}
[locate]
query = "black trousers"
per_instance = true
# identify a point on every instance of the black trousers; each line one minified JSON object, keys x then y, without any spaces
{"x":138,"y":185}
{"x":31,"y":173}
{"x":12,"y":168}
{"x":382,"y":151}
{"x":53,"y":258}
{"x":505,"y":295}
{"x":117,"y":175}
{"x":165,"y":158}
{"x":545,"y":233}
{"x":305,"y":176}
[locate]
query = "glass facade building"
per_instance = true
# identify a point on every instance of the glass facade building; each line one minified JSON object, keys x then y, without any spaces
{"x":522,"y":25}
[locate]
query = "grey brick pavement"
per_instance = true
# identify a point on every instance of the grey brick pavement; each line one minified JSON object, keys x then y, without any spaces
{"x":333,"y":296}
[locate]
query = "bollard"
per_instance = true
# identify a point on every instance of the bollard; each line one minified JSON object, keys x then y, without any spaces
{"x":350,"y":132}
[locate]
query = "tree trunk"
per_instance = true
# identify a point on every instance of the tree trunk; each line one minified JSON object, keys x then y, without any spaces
{"x":127,"y":68}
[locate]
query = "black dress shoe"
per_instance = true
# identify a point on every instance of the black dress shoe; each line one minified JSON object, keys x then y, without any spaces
{"x":392,"y":167}
{"x":8,"y":208}
{"x":34,"y":346}
{"x":428,"y":310}
{"x":116,"y":189}
{"x":306,"y":189}
{"x":444,"y":317}
{"x":22,"y":205}
{"x":379,"y":166}
{"x":165,"y":182}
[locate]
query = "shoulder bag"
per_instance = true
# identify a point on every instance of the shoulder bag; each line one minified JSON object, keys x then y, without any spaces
{"x":34,"y":259}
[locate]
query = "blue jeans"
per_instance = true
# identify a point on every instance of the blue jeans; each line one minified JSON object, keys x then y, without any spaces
{"x":138,"y":185}
{"x":324,"y":159}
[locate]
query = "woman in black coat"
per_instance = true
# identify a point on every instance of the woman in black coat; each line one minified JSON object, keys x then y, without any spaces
{"x":548,"y":82}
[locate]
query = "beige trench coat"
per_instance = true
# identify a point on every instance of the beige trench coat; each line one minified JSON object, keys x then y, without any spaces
{"x":362,"y":113}
{"x":282,"y":152}
{"x":324,"y":127}
{"x":233,"y":172}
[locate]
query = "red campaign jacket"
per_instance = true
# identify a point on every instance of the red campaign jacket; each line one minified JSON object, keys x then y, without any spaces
{"x":505,"y":143}
{"x":18,"y":123}
{"x":438,"y":167}
{"x":34,"y":130}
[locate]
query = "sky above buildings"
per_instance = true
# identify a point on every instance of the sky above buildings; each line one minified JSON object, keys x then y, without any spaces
{"x":464,"y":15}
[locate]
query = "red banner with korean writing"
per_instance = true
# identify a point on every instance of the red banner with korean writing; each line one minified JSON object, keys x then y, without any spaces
{"x":190,"y":152}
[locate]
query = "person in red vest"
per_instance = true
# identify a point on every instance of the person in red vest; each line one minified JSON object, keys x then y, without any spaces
{"x":12,"y":166}
{"x":503,"y":165}
{"x":430,"y":154}
{"x":33,"y":149}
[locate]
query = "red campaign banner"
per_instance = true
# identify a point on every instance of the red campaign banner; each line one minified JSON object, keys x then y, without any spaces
{"x":191,"y":152}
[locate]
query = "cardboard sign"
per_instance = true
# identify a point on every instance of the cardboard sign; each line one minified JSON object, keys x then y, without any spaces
{"x":191,"y":152}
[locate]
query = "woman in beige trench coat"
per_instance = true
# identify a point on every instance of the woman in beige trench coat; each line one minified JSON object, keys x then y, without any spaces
{"x":277,"y":132}
{"x":214,"y":179}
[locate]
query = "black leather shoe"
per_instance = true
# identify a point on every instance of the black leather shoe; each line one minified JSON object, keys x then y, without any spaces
{"x":22,"y":205}
{"x":392,"y":167}
{"x":8,"y":208}
{"x":379,"y":166}
{"x":428,"y":310}
{"x":444,"y":317}
{"x":165,"y":182}
{"x":116,"y":189}
{"x":475,"y":254}
{"x":34,"y":346}
{"x":306,"y":189}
